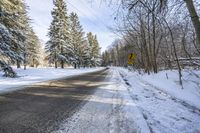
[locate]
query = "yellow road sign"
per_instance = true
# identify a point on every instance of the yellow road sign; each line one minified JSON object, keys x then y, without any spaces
{"x":131,"y":58}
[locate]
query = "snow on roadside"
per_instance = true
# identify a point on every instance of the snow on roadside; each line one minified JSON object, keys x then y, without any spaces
{"x":132,"y":112}
{"x":163,"y":110}
{"x":168,"y":82}
{"x":35,"y":75}
{"x":109,"y":110}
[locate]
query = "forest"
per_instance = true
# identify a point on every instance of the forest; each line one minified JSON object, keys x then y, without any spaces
{"x":68,"y":44}
{"x":164,"y":35}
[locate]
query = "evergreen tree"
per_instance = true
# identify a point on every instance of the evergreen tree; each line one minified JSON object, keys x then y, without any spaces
{"x":20,"y":32}
{"x":90,"y":45}
{"x":85,"y":52}
{"x":94,"y":50}
{"x":33,"y":48}
{"x":15,"y":35}
{"x":58,"y":47}
{"x":77,"y":40}
{"x":11,"y":34}
{"x":31,"y":45}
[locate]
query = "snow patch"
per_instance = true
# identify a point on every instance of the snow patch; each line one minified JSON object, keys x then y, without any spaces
{"x":164,"y":105}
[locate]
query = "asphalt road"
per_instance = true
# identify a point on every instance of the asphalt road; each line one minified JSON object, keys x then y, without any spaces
{"x":41,"y":108}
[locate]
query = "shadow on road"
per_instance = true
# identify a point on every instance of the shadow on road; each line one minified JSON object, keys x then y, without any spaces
{"x":41,"y":107}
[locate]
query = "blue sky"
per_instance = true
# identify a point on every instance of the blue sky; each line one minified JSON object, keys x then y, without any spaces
{"x":95,"y":17}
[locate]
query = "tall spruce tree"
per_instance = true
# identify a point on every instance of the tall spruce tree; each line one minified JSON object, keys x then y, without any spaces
{"x":33,"y":47}
{"x":12,"y":37}
{"x":77,"y":40}
{"x":90,"y":44}
{"x":85,"y":52}
{"x":94,"y":50}
{"x":58,"y":47}
{"x":15,"y":35}
{"x":20,"y":32}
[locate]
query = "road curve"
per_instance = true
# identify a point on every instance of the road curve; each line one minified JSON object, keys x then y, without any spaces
{"x":40,"y":108}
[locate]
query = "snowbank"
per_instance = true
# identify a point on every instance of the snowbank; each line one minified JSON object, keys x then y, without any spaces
{"x":35,"y":75}
{"x":168,"y":82}
{"x":165,"y":106}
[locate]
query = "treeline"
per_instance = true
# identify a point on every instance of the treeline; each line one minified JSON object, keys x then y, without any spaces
{"x":18,"y":42}
{"x":160,"y":33}
{"x":68,"y":44}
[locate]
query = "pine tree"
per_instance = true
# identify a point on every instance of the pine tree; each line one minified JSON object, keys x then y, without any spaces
{"x":11,"y":35}
{"x":77,"y":40}
{"x":90,"y":45}
{"x":15,"y":35}
{"x":58,"y":47}
{"x":20,"y":31}
{"x":94,"y":50}
{"x":85,"y":51}
{"x":31,"y":45}
{"x":33,"y":48}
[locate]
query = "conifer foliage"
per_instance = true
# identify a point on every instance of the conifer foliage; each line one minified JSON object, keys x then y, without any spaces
{"x":67,"y":43}
{"x":77,"y":40}
{"x":94,"y":50}
{"x":58,"y":46}
{"x":15,"y":35}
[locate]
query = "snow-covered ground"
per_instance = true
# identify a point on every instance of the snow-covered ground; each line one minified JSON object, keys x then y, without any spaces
{"x":168,"y":82}
{"x":109,"y":110}
{"x":165,"y":106}
{"x":35,"y":75}
{"x":128,"y":102}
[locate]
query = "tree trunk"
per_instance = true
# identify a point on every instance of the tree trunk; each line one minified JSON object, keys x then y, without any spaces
{"x":195,"y":18}
{"x":62,"y":64}
{"x":74,"y":65}
{"x":147,"y":63}
{"x":33,"y":63}
{"x":55,"y":58}
{"x":175,"y":53}
{"x":154,"y":44}
{"x":18,"y":64}
{"x":56,"y":65}
{"x":25,"y":61}
{"x":24,"y":66}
